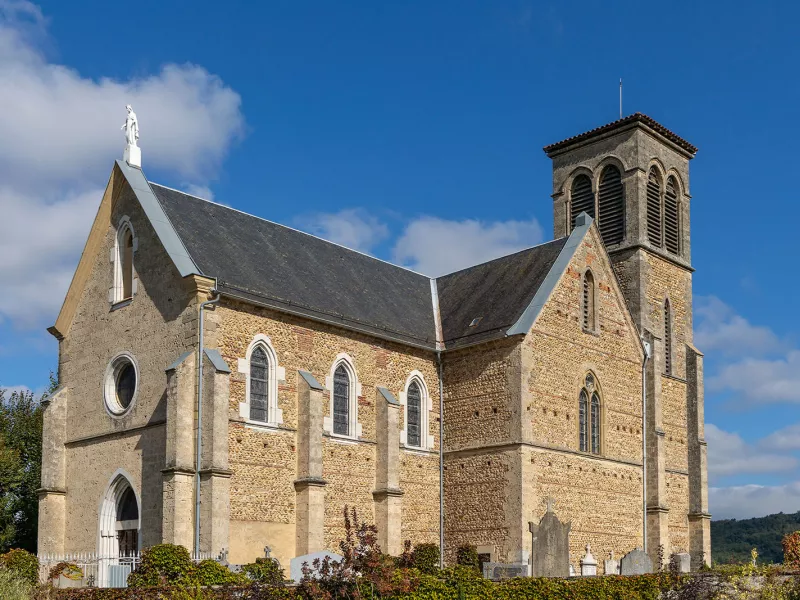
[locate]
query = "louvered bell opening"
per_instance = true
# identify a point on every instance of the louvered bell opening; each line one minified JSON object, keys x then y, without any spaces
{"x":581,"y":198}
{"x":611,"y":206}
{"x":671,"y":229}
{"x":654,"y":208}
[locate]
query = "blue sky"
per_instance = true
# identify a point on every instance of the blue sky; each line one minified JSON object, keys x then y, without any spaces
{"x":413,"y":131}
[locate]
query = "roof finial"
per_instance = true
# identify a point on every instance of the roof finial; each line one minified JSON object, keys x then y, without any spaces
{"x":132,"y":154}
{"x":620,"y":97}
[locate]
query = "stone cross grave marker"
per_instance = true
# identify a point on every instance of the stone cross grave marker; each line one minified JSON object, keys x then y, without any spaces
{"x":550,"y":556}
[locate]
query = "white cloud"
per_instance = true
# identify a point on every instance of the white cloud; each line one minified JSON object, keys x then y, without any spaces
{"x":720,"y":329}
{"x":784,"y":439}
{"x":760,"y":381}
{"x":747,"y":501}
{"x":61,"y":132}
{"x":352,"y":227}
{"x":201,"y":191}
{"x":729,"y":454}
{"x":435,"y":246}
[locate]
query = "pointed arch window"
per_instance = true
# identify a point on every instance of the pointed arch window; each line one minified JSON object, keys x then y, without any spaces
{"x":125,"y":246}
{"x":589,"y":416}
{"x":672,"y":235}
{"x":344,"y":389}
{"x":341,"y":401}
{"x":588,"y":303}
{"x":262,"y":371}
{"x":581,"y":198}
{"x":611,"y":206}
{"x":654,"y":235}
{"x":414,"y":418}
{"x":259,"y":385}
{"x":667,"y":337}
{"x":417,"y":408}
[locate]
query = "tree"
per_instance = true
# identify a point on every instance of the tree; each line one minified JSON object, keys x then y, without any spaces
{"x":20,"y":467}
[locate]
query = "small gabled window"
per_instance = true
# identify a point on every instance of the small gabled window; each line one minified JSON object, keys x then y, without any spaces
{"x":414,"y":419}
{"x":122,"y":255}
{"x":588,"y":303}
{"x":344,"y":389}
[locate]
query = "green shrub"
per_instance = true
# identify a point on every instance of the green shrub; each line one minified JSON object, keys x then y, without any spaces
{"x":23,"y":563}
{"x":162,"y":564}
{"x":210,"y":572}
{"x":265,"y":570}
{"x":13,"y":586}
{"x":426,"y":558}
{"x":467,"y":556}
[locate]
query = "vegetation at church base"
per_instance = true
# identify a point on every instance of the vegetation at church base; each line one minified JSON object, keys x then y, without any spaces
{"x":21,"y":563}
{"x":732,"y":539}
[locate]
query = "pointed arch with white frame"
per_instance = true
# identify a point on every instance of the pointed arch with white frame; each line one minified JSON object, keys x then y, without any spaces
{"x":426,"y":406}
{"x":117,"y":293}
{"x":276,"y":373}
{"x":109,"y":524}
{"x":354,"y":427}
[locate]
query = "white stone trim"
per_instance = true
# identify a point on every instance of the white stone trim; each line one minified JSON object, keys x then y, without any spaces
{"x":354,"y":427}
{"x":115,"y":294}
{"x":426,"y":439}
{"x":107,"y":542}
{"x":277,"y":374}
{"x":113,"y":407}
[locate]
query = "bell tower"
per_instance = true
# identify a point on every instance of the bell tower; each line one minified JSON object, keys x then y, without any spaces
{"x":632,"y":176}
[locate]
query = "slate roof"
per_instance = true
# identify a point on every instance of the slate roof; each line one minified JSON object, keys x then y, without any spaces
{"x":275,"y":265}
{"x":634,"y":118}
{"x":496,"y":292}
{"x":269,"y":264}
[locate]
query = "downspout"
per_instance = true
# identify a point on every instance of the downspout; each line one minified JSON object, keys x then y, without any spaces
{"x":647,"y":354}
{"x":441,"y":459}
{"x":199,"y":433}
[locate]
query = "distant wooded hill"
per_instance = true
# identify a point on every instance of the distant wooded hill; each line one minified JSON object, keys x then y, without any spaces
{"x":732,"y":539}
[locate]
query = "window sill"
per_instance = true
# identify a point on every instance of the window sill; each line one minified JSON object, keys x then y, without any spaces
{"x":341,"y":439}
{"x":121,"y":304}
{"x":265,"y":427}
{"x":418,"y":451}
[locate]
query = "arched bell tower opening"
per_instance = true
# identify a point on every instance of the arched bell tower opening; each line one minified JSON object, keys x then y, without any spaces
{"x":119,"y":520}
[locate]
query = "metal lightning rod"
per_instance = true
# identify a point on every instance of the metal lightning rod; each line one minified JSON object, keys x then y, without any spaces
{"x":620,"y":97}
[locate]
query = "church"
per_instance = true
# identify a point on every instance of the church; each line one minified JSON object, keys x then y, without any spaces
{"x":229,"y":383}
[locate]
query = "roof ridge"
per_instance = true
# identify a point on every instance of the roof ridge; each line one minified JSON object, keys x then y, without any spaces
{"x":292,"y":229}
{"x":637,"y":117}
{"x":486,"y":262}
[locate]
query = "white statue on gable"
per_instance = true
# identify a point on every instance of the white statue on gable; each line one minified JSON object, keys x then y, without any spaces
{"x":131,"y":127}
{"x":133,"y":154}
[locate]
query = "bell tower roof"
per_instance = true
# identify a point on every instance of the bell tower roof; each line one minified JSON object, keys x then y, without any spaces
{"x":636,"y":120}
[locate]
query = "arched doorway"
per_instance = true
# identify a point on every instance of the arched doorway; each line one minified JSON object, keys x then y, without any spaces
{"x":119,"y":527}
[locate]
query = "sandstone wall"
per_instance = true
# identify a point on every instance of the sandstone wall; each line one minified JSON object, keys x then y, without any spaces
{"x":264,"y":459}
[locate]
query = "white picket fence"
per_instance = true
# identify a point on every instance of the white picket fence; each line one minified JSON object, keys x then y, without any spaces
{"x":96,"y":570}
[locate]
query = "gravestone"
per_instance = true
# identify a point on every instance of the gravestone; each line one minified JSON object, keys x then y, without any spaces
{"x":636,"y":562}
{"x":571,"y":571}
{"x":500,"y":571}
{"x":296,"y":564}
{"x":550,"y":556}
{"x":611,"y":566}
{"x":588,"y":563}
{"x":681,"y":562}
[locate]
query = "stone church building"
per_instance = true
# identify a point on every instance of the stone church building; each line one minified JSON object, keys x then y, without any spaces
{"x":229,"y":383}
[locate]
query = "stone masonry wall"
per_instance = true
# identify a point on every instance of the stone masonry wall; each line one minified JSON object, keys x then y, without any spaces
{"x":157,"y":326}
{"x":600,"y":494}
{"x":264,"y":460}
